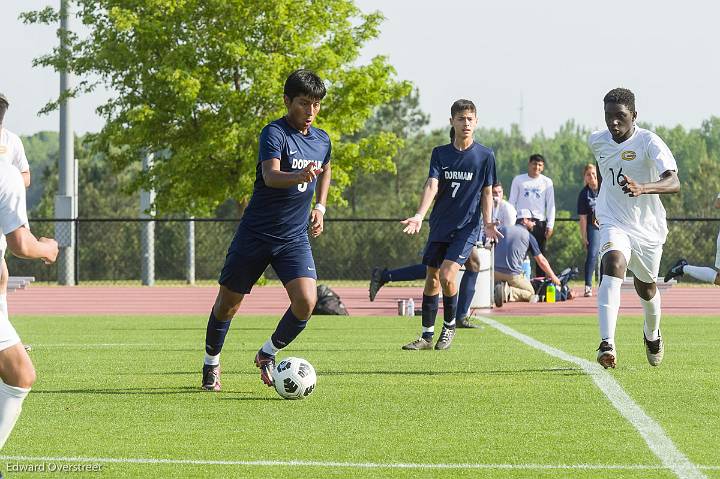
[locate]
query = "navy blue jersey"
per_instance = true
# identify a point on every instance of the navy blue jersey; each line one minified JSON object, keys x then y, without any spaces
{"x":283,"y":213}
{"x":586,"y":201}
{"x":461,"y":177}
{"x":586,"y":205}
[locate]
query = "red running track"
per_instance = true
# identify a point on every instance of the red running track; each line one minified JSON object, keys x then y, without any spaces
{"x":94,"y":300}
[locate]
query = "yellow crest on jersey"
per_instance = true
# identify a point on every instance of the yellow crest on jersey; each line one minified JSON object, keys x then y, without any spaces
{"x":3,"y":149}
{"x":628,"y":155}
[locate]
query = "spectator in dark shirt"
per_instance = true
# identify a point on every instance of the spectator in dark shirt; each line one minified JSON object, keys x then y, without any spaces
{"x":589,"y":228}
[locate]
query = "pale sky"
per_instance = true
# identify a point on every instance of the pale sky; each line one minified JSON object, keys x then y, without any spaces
{"x":556,"y":58}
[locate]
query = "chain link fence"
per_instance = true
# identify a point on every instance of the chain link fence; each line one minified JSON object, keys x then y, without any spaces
{"x":109,"y":250}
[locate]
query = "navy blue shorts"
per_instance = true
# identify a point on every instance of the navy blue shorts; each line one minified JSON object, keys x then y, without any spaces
{"x":249,"y":255}
{"x":458,"y":250}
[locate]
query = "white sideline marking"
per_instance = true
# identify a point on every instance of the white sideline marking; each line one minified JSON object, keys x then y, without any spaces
{"x":93,"y":345}
{"x":353,"y":465}
{"x":653,"y":434}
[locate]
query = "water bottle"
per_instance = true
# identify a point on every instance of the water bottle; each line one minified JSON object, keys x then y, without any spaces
{"x":550,"y":293}
{"x":410,"y":310}
{"x":526,"y":268}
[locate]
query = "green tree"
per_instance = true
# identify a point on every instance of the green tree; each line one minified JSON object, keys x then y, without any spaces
{"x":41,"y":150}
{"x":200,"y":78}
{"x":370,"y":192}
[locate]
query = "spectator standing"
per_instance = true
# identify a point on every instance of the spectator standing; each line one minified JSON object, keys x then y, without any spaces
{"x":534,"y":191}
{"x":589,"y":227}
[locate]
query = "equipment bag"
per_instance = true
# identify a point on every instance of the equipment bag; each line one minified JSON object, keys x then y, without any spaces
{"x":328,"y":302}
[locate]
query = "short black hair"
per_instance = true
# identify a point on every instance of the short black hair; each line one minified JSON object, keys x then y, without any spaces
{"x":621,"y":96}
{"x":304,"y":82}
{"x":4,"y":105}
{"x":537,"y":157}
{"x":462,"y":105}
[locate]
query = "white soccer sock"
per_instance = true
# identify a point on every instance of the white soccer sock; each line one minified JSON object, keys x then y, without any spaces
{"x":11,"y":399}
{"x":702,"y":273}
{"x":431,"y":329}
{"x":451,"y":324}
{"x":212,"y":360}
{"x":651,"y":326}
{"x":269,"y":348}
{"x":608,"y":306}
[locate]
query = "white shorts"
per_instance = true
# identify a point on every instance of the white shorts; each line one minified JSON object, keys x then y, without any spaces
{"x":8,"y":335}
{"x":643,"y":259}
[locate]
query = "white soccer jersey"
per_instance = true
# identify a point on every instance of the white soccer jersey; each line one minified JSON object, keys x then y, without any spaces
{"x":13,"y":213}
{"x":642,"y":157}
{"x":12,"y":150}
{"x":534,"y":194}
{"x":504,"y":214}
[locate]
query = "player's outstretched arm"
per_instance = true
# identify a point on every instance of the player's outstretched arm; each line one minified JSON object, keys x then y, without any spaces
{"x":23,"y":244}
{"x":318,"y":212}
{"x":275,"y":178}
{"x":667,"y":184}
{"x":545,"y":265}
{"x":414,"y":223}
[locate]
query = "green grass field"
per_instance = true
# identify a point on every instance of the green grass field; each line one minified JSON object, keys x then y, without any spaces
{"x":127,"y":389}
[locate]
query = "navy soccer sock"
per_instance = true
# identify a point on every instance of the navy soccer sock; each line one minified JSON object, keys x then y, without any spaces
{"x":215,"y":334}
{"x":429,"y":312}
{"x":449,"y":308}
{"x":408,"y":273}
{"x":287,"y":329}
{"x":466,"y":293}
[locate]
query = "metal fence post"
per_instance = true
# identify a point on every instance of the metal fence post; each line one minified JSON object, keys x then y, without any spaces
{"x":65,"y":211}
{"x":190,"y":266}
{"x":147,"y":234}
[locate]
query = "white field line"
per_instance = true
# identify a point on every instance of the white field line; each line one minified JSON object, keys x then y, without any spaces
{"x":653,"y":434}
{"x":92,"y":345}
{"x":333,"y":464}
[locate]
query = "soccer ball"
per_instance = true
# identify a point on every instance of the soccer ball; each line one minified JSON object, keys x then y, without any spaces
{"x":294,"y":378}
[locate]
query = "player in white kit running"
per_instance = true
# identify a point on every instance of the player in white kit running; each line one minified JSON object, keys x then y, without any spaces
{"x":634,"y":167}
{"x":16,"y":369}
{"x":13,"y":153}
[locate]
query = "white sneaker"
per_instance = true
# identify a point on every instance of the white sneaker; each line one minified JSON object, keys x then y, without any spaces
{"x":534,"y":298}
{"x":588,"y":291}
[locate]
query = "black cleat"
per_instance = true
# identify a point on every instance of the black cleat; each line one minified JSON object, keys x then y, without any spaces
{"x":606,"y":355}
{"x":655,"y":350}
{"x":266,"y":363}
{"x":676,"y":270}
{"x":211,"y":377}
{"x":446,"y":338}
{"x":465,"y":323}
{"x":418,"y":345}
{"x":376,"y":282}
